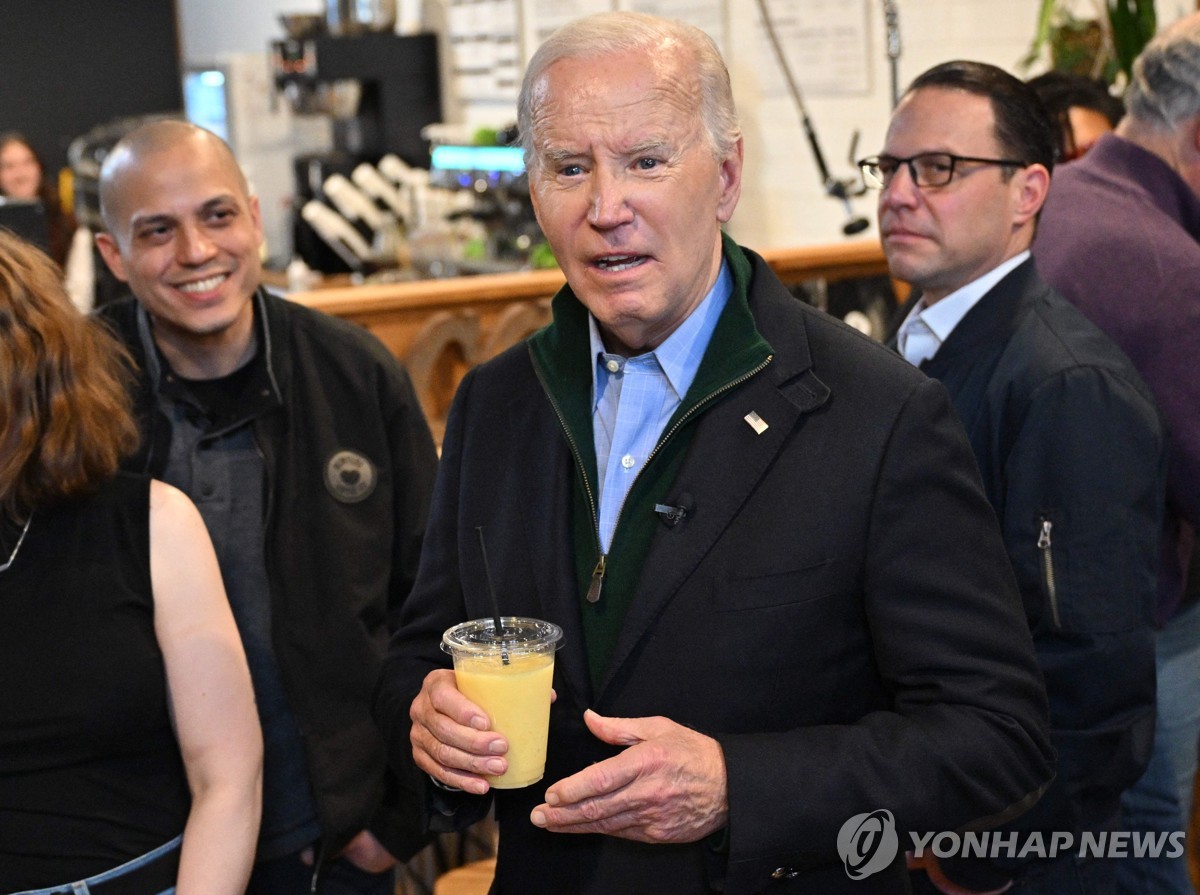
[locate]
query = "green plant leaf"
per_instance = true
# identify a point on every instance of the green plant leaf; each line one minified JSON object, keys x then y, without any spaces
{"x":1041,"y":35}
{"x":1133,"y":24}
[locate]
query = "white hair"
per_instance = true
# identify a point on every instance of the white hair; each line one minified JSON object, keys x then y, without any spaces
{"x":1164,"y":91}
{"x":613,"y":33}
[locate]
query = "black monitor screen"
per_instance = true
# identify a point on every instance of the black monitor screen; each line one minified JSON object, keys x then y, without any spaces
{"x":27,"y":220}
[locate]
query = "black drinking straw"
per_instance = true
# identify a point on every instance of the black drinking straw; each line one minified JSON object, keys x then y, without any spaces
{"x":487,"y":573}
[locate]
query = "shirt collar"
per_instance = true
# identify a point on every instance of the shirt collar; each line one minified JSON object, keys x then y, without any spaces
{"x":159,"y":370}
{"x":680,"y":353}
{"x":943,"y":316}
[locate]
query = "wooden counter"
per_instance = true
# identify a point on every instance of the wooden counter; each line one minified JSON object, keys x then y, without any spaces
{"x":441,"y":328}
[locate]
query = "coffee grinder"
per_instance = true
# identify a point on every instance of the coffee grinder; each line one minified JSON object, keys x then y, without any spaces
{"x":380,"y":89}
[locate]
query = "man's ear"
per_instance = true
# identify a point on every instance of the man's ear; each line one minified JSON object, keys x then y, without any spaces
{"x":730,"y":173}
{"x":1031,"y":183}
{"x":111,"y":255}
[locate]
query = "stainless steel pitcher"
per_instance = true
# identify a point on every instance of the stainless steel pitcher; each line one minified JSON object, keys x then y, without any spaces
{"x":347,"y":17}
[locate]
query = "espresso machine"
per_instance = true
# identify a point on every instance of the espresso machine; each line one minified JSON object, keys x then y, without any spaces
{"x":378,"y":88}
{"x":494,"y":178}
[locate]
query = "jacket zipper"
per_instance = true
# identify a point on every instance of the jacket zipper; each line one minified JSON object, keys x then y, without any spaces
{"x":1044,"y":545}
{"x":597,"y":582}
{"x":593,"y":592}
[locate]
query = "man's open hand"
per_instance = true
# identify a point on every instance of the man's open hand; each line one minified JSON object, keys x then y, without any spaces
{"x":668,"y":786}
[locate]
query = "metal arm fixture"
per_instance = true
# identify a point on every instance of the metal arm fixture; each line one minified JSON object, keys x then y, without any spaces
{"x":891,"y":19}
{"x":839,"y":188}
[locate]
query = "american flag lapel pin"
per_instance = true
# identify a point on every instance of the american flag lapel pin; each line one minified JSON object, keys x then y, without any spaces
{"x":756,"y":422}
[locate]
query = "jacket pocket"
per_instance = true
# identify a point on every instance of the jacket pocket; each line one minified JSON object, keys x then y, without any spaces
{"x":808,"y":582}
{"x":1084,"y":578}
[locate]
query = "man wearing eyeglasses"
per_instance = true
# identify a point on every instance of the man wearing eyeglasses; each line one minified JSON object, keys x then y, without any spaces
{"x":1067,"y":437}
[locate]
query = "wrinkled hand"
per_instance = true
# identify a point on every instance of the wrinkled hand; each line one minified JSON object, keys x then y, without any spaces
{"x":364,"y":851}
{"x":367,"y":853}
{"x":929,"y":863}
{"x":450,"y":737}
{"x":668,"y":786}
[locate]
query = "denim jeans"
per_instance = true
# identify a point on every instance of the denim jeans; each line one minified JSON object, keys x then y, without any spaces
{"x":168,"y":851}
{"x":1161,"y":801}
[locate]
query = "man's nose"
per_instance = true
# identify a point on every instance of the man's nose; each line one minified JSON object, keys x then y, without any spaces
{"x":193,"y":245}
{"x":902,"y":189}
{"x":609,"y":206}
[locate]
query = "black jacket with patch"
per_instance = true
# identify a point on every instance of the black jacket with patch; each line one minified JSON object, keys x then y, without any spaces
{"x":341,"y":554}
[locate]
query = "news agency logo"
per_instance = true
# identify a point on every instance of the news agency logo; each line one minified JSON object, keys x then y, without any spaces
{"x":867,"y":843}
{"x":996,"y":844}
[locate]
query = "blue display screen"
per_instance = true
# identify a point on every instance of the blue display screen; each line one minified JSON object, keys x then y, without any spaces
{"x":205,"y":102}
{"x":506,"y":159}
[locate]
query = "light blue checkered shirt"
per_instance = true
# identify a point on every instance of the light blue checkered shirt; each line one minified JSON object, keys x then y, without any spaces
{"x":634,"y":398}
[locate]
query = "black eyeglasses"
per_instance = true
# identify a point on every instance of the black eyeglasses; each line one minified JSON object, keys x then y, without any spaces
{"x":925,"y":169}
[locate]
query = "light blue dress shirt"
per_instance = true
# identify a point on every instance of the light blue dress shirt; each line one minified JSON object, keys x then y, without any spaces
{"x":634,"y":398}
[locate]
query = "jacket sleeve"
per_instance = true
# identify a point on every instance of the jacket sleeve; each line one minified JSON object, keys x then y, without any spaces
{"x":1083,"y":504}
{"x":435,"y":604}
{"x":963,"y":740}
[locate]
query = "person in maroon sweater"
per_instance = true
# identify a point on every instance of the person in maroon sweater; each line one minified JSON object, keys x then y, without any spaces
{"x":1120,"y":238}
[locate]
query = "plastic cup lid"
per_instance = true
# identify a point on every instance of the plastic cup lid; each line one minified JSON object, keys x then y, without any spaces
{"x":518,"y":635}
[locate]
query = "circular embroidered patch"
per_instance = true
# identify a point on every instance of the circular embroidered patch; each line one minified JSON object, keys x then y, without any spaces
{"x":350,"y":477}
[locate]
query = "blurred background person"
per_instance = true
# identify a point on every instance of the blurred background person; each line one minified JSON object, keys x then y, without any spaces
{"x":1082,"y":107}
{"x":129,"y":745}
{"x":23,"y":177}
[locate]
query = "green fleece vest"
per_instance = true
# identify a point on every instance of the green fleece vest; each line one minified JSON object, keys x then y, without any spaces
{"x":560,"y":354}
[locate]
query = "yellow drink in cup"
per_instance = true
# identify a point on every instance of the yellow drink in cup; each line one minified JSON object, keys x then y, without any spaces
{"x":517,"y":699}
{"x":510,"y":677}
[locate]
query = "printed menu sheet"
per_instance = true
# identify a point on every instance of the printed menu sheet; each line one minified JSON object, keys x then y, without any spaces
{"x":825,"y":43}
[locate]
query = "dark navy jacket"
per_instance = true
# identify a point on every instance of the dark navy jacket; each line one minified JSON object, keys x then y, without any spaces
{"x":1072,"y":452}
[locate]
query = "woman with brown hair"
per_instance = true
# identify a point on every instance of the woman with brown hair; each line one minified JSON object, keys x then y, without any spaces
{"x":130,"y":754}
{"x":23,"y":177}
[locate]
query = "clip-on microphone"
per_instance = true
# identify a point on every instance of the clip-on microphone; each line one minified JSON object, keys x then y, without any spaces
{"x":673,"y":515}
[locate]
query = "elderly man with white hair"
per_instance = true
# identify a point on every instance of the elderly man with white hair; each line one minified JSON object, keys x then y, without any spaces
{"x":785,"y":603}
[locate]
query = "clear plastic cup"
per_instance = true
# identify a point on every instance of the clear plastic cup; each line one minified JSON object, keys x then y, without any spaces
{"x":509,"y":675}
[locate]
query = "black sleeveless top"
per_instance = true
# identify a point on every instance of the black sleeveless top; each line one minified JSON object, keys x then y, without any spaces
{"x":90,"y":772}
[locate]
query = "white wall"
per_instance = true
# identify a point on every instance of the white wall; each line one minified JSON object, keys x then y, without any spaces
{"x":782,"y":202}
